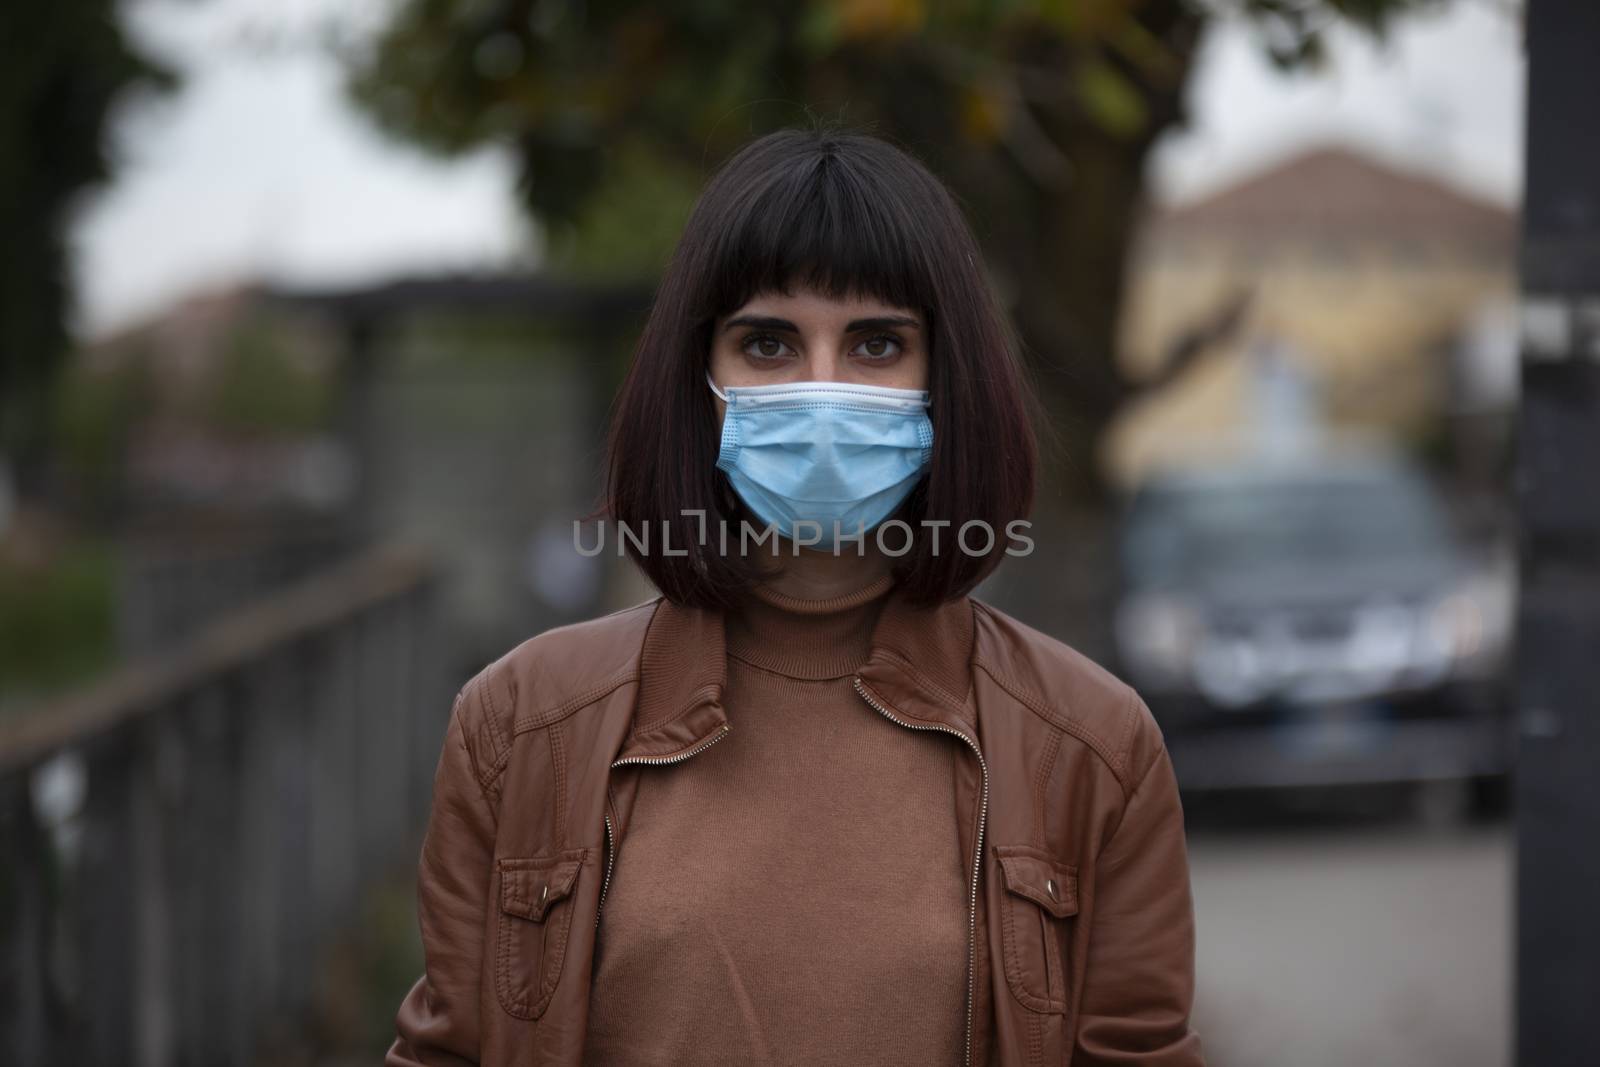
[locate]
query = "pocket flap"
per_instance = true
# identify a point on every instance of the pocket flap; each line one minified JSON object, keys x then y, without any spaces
{"x":1033,"y":873}
{"x":529,"y":886}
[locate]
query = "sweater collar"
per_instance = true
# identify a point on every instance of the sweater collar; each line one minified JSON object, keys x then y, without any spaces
{"x":918,"y":667}
{"x":806,"y":639}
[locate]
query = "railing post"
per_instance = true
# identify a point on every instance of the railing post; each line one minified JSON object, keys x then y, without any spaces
{"x":104,"y":1011}
{"x":207,"y":853}
{"x":154,"y":784}
{"x":427,"y":705}
{"x":334,"y":873}
{"x":24,"y":926}
{"x":381,"y":745}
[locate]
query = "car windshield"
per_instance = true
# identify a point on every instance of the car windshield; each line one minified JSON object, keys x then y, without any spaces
{"x":1178,"y":530}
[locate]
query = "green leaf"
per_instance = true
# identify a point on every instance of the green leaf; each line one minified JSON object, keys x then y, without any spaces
{"x":1111,"y":100}
{"x":817,"y":33}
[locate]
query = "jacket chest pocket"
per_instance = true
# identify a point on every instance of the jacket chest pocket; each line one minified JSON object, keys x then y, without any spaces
{"x":532,"y":926}
{"x":1038,"y":917}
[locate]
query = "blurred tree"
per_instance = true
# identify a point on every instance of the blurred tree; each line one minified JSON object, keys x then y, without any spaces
{"x":63,"y":65}
{"x":1039,"y":113}
{"x":57,"y":618}
{"x":94,"y":421}
{"x":262,"y":388}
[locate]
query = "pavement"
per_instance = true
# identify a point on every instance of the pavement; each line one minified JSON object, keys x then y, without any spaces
{"x":1353,"y":942}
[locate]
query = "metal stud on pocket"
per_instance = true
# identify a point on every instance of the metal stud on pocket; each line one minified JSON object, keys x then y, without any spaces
{"x":1050,"y":887}
{"x":544,"y":894}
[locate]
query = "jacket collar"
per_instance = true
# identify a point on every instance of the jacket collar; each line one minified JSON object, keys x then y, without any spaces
{"x":919,"y":668}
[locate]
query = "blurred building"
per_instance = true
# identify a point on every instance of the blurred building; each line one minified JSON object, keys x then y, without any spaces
{"x":1378,"y":300}
{"x":476,"y":408}
{"x":268,"y":431}
{"x":233,"y":406}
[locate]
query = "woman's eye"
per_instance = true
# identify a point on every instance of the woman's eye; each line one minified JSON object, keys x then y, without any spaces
{"x":882,"y":346}
{"x":764,"y":346}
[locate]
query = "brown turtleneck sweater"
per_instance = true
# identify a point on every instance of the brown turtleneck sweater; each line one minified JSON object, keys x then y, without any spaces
{"x":794,"y":894}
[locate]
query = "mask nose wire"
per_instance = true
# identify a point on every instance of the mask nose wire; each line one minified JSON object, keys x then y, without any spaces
{"x":722,"y":396}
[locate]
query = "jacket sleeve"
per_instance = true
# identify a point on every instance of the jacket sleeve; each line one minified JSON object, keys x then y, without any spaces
{"x":1139,"y":983}
{"x":438,"y":1021}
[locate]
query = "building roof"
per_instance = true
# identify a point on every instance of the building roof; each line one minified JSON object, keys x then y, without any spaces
{"x":1335,"y":190}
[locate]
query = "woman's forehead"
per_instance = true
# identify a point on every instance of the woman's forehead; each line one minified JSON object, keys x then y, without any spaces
{"x":813,"y":303}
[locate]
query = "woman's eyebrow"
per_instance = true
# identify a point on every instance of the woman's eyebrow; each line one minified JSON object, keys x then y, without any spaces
{"x":762,"y":322}
{"x":881,"y":322}
{"x":769,"y":322}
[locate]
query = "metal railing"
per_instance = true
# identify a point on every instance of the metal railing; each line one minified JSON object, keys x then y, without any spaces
{"x":181,"y":840}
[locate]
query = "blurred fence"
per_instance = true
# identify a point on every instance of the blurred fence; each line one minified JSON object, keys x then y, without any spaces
{"x":174,"y":578}
{"x":183,"y":840}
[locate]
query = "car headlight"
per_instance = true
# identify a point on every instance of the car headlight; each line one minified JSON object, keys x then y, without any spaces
{"x":1157,"y":635}
{"x":1457,"y":624}
{"x":1472,"y":624}
{"x":1383,"y":643}
{"x":1231,"y":672}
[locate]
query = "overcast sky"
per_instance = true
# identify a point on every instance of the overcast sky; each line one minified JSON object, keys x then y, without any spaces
{"x":257,"y":167}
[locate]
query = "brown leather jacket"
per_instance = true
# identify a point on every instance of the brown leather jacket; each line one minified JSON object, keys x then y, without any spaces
{"x":1082,"y":945}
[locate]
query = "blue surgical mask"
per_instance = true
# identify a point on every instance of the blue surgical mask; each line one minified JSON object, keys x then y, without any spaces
{"x":824,"y":452}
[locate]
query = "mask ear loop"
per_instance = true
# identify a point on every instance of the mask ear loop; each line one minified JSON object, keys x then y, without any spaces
{"x":720,"y":394}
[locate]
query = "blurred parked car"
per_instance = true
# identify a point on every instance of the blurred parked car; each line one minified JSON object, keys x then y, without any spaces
{"x":1314,"y":621}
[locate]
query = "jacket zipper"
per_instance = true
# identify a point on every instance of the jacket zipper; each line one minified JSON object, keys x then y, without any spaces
{"x":977,"y":855}
{"x":685,"y":754}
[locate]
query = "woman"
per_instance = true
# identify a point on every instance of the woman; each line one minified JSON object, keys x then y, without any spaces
{"x":812,"y":804}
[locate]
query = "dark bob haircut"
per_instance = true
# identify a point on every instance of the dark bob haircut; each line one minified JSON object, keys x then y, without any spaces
{"x":847,"y":215}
